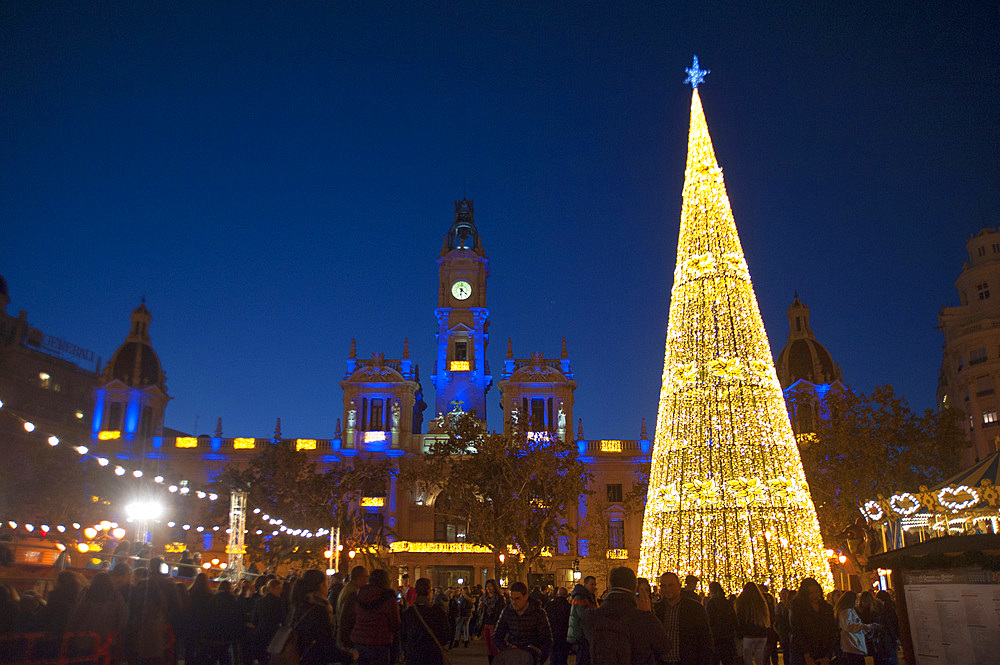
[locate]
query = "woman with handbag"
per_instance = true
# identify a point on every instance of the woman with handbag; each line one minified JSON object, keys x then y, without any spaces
{"x":425,"y":628}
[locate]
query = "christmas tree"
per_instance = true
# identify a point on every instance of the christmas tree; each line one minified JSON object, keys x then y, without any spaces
{"x":728,"y":499}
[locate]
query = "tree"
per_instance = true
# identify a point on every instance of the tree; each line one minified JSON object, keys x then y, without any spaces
{"x":516,"y":491}
{"x":285,"y":485}
{"x":872,"y":445}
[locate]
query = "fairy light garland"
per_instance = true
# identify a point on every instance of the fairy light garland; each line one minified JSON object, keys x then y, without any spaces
{"x":179,"y":487}
{"x":728,"y":499}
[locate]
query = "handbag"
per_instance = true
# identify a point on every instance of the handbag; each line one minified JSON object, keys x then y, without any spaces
{"x":444,"y":656}
{"x":284,"y":646}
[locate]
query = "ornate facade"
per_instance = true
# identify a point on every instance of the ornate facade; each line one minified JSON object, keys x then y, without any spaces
{"x":970,"y":365}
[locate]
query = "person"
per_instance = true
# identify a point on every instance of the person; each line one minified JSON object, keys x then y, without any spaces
{"x":268,"y":612}
{"x":690,"y":589}
{"x":441,"y":599}
{"x":752,"y":624}
{"x":102,"y":609}
{"x":199,"y":618}
{"x":466,"y":604}
{"x":812,"y":626}
{"x":407,"y":594}
{"x":153,"y":606}
{"x":185,"y":567}
{"x":10,"y":608}
{"x":780,"y":623}
{"x":523,"y":625}
{"x":376,"y":620}
{"x":722,"y":621}
{"x":424,"y":640}
{"x":492,"y":605}
{"x":336,"y":586}
{"x":61,"y":601}
{"x":312,"y":619}
{"x":686,"y":624}
{"x":557,"y":610}
{"x":584,"y":599}
{"x":852,"y":631}
{"x":224,"y":626}
{"x":619,"y":631}
{"x":344,"y":619}
{"x":886,"y":617}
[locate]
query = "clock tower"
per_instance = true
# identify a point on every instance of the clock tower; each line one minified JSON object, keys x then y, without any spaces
{"x":461,"y":374}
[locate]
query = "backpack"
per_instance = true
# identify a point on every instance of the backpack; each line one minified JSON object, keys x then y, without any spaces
{"x":284,"y":646}
{"x":610,"y":643}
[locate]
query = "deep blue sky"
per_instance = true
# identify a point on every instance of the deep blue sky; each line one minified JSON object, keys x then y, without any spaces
{"x":276,"y":178}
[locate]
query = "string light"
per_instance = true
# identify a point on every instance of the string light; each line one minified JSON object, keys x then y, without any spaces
{"x":728,"y":499}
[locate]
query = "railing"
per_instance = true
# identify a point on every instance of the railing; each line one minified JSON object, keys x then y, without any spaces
{"x":65,"y":649}
{"x":614,"y":446}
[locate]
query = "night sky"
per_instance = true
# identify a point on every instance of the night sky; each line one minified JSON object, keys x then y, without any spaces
{"x":277,"y":178}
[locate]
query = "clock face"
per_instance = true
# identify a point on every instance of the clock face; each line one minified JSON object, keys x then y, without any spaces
{"x":461,"y":289}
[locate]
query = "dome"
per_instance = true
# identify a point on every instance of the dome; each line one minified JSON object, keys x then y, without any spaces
{"x":803,"y":357}
{"x":806,"y":359}
{"x":137,"y":365}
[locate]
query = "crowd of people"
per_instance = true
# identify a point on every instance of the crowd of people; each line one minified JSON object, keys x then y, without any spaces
{"x":150,"y":616}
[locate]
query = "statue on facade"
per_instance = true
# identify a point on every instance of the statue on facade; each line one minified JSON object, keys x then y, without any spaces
{"x":395,"y":414}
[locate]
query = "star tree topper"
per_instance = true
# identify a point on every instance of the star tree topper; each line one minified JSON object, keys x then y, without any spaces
{"x":695,"y":74}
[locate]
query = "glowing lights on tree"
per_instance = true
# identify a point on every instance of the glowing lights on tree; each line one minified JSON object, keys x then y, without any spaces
{"x":728,"y":499}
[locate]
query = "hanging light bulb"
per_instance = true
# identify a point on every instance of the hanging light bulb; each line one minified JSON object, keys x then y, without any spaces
{"x":53,"y":440}
{"x":29,"y":427}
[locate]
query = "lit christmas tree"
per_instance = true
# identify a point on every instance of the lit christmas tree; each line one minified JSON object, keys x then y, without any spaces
{"x":728,"y":499}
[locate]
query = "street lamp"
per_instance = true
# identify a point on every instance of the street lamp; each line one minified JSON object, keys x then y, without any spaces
{"x":142,"y":513}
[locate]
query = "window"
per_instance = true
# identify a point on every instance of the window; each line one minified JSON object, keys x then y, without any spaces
{"x":616,"y":534}
{"x":375,"y":423}
{"x":538,"y":415}
{"x":44,"y":380}
{"x":461,"y":351}
{"x":146,"y":422}
{"x":996,"y":248}
{"x":583,"y":547}
{"x":114,"y":421}
{"x":798,"y":324}
{"x":983,"y":290}
{"x":982,"y":251}
{"x":449,"y":527}
{"x":990,"y":417}
{"x":614,"y":492}
{"x":977,"y":356}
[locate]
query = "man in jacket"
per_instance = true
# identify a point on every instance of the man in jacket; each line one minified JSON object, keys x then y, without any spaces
{"x":523,"y":625}
{"x":618,"y":631}
{"x":583,"y":600}
{"x":557,"y":610}
{"x":376,"y":621}
{"x":686,"y":624}
{"x":345,"y":605}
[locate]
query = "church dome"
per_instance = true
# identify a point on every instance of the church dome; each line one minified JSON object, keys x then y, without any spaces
{"x":802,"y":356}
{"x":135,"y":363}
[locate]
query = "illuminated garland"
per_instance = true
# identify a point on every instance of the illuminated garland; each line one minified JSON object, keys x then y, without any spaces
{"x":964,"y":501}
{"x":902,"y":504}
{"x":728,"y":499}
{"x":174,"y":487}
